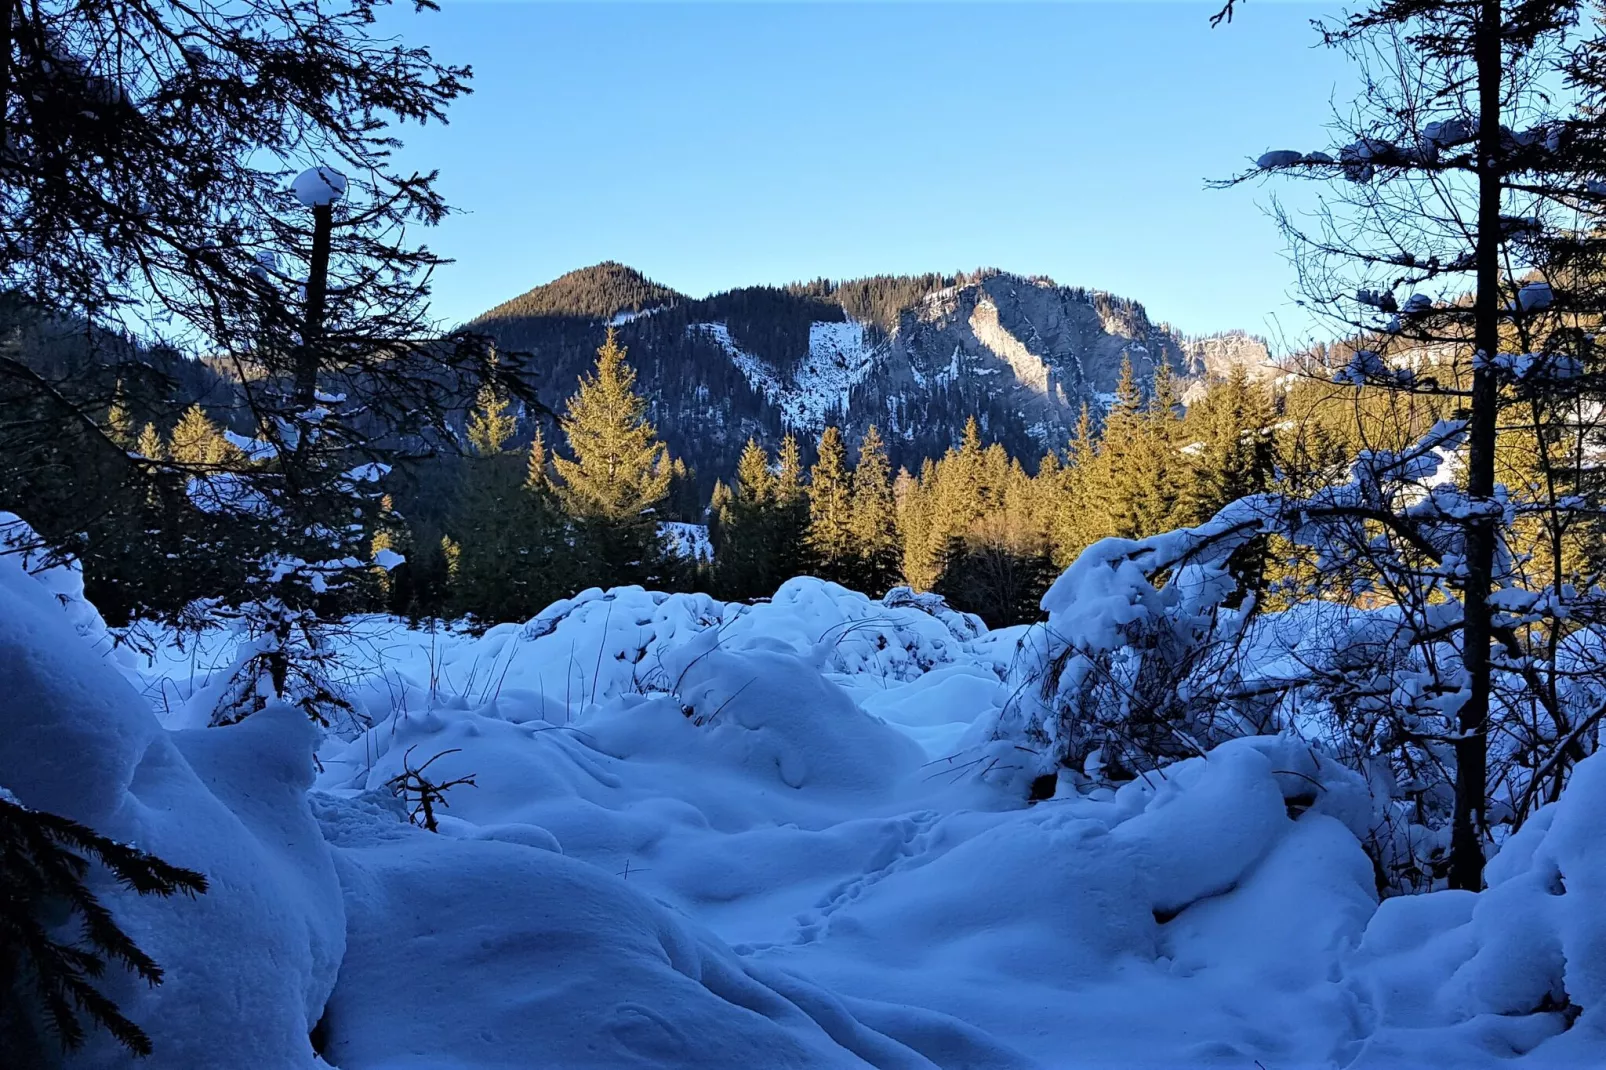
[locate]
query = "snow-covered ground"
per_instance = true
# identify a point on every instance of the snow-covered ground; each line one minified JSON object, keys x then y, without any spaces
{"x":709,"y":835}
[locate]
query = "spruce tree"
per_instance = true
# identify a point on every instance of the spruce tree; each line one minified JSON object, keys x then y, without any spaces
{"x":874,"y":518}
{"x":789,"y":515}
{"x":923,"y":538}
{"x":119,"y":422}
{"x":536,"y":476}
{"x":1079,"y":518}
{"x":1236,"y":458}
{"x":47,"y":975}
{"x":830,"y":533}
{"x":149,"y":148}
{"x":747,"y":518}
{"x":391,"y":580}
{"x":1154,"y":473}
{"x":150,"y":444}
{"x":198,"y":442}
{"x":452,"y":555}
{"x":513,"y":557}
{"x":618,"y":475}
{"x":490,"y":423}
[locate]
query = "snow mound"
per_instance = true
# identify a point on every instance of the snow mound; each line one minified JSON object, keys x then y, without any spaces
{"x":1521,"y":966}
{"x":798,"y":832}
{"x":578,"y":966}
{"x":76,"y":740}
{"x":771,"y":713}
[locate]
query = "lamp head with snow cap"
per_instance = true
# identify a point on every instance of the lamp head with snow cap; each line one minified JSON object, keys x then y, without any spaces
{"x":319,"y":186}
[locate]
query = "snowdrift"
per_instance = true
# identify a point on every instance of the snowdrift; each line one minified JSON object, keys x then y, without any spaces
{"x":787,"y":834}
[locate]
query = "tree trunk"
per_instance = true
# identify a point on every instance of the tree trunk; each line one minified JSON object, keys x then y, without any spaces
{"x":1471,"y":748}
{"x":306,"y":385}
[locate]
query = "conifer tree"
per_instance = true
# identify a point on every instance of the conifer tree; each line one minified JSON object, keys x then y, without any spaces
{"x":719,"y":516}
{"x":119,"y":422}
{"x":789,"y":522}
{"x":619,"y":473}
{"x":754,"y":482}
{"x":513,"y":558}
{"x":47,"y":971}
{"x":923,"y":538}
{"x":1236,"y":458}
{"x":536,"y":476}
{"x":1232,"y":424}
{"x":874,"y":517}
{"x":1154,"y":474}
{"x":390,"y":537}
{"x":490,"y":423}
{"x":1078,"y":516}
{"x":197,"y":441}
{"x":830,"y":531}
{"x":150,"y":444}
{"x":747,"y":518}
{"x":452,"y":554}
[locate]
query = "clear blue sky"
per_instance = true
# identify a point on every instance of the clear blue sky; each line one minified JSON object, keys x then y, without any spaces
{"x":722,"y":144}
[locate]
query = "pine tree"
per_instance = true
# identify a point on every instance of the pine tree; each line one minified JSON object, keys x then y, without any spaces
{"x":619,"y":475}
{"x":746,"y":519}
{"x":536,"y":477}
{"x":923,"y":541}
{"x":830,"y":533}
{"x":119,"y":422}
{"x":46,"y":976}
{"x":197,"y":441}
{"x":874,"y":520}
{"x":490,"y":424}
{"x":150,"y":445}
{"x":789,"y":523}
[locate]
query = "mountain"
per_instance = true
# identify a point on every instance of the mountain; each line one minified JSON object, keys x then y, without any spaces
{"x":599,"y":293}
{"x":1212,"y":359}
{"x":916,"y":355}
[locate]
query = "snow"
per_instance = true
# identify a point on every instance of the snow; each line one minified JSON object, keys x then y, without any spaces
{"x":788,"y":833}
{"x":254,"y":448}
{"x":77,"y":740}
{"x":317,"y":186}
{"x":1535,"y":297}
{"x":630,"y":316}
{"x":690,"y":541}
{"x":388,"y":559}
{"x":838,"y":359}
{"x":1278,"y":158}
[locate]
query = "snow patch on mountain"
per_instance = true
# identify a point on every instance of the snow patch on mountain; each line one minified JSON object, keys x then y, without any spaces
{"x":838,"y":359}
{"x":755,"y":371}
{"x":630,"y":316}
{"x":689,"y":541}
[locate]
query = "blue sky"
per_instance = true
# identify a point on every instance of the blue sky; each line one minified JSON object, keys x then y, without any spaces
{"x":721,"y":144}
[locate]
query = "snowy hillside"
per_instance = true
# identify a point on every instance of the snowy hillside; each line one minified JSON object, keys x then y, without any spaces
{"x":694,"y":834}
{"x":816,"y":393}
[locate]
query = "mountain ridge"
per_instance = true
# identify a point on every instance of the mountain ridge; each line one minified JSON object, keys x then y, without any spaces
{"x":914,"y":354}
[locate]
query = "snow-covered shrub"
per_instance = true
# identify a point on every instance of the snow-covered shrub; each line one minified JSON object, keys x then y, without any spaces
{"x":1140,"y":662}
{"x":77,"y":741}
